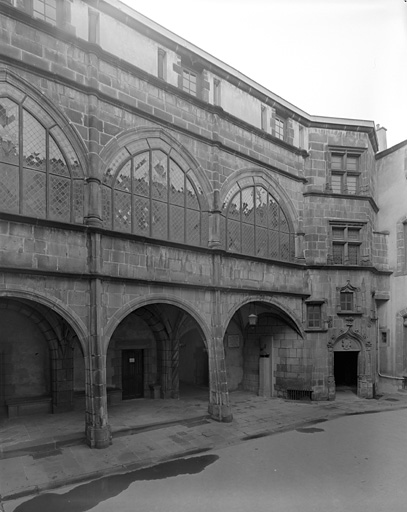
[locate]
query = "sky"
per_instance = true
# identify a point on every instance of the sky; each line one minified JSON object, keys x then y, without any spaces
{"x":335,"y":58}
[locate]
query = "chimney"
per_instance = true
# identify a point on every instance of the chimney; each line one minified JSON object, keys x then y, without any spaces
{"x":381,"y":137}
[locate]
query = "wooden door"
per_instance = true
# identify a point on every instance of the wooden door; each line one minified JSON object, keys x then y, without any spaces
{"x":132,"y":374}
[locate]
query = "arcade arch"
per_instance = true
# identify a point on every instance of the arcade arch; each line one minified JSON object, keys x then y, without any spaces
{"x":156,"y":350}
{"x":37,"y":358}
{"x":261,"y":354}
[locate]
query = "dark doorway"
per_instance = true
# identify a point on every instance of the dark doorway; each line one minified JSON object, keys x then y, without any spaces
{"x":346,"y":369}
{"x":132,"y":374}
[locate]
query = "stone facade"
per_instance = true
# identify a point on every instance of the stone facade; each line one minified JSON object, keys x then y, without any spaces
{"x":154,"y":201}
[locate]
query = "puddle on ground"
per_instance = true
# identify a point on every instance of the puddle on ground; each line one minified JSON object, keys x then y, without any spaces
{"x":309,"y":430}
{"x":86,"y":496}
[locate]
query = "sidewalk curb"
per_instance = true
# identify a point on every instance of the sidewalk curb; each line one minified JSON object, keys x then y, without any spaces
{"x":133,"y":466}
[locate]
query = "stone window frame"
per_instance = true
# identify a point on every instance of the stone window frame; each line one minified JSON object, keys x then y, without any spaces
{"x":186,"y":65}
{"x":62,"y":11}
{"x":356,"y":301}
{"x":346,"y":242}
{"x":162,"y":64}
{"x":321,"y":304}
{"x":93,"y":26}
{"x":132,"y":158}
{"x":239,"y":188}
{"x":343,"y":172}
{"x":47,"y":172}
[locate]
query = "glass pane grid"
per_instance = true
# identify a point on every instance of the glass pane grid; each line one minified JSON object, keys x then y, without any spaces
{"x":57,"y":163}
{"x":107,"y":207}
{"x":191,"y":196}
{"x":177,"y":188}
{"x":159,"y":176}
{"x":9,"y":129}
{"x":34,"y":193}
{"x":159,"y":221}
{"x":353,"y":254}
{"x":141,"y":216}
{"x":122,"y":211}
{"x":314,"y":316}
{"x":346,"y":301}
{"x":338,"y":254}
{"x":60,"y":198}
{"x":233,"y":242}
{"x":123,"y":178}
{"x":9,"y":187}
{"x":141,"y":174}
{"x":177,"y":224}
{"x":248,"y":205}
{"x":194,"y":227}
{"x":33,"y":143}
{"x":78,"y":196}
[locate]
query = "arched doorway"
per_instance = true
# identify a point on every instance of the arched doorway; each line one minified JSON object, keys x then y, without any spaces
{"x":36,"y":358}
{"x":350,"y":365}
{"x":264,"y":352}
{"x":153,"y":350}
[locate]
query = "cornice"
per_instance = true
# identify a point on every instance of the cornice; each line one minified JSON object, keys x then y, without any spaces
{"x":355,"y":197}
{"x":353,"y":268}
{"x":89,"y":230}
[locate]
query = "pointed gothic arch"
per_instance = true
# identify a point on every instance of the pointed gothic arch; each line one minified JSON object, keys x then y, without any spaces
{"x":349,"y":341}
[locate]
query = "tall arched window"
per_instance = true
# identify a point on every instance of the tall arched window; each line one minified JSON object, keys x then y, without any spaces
{"x":256,"y":225}
{"x":39,"y":171}
{"x":151,"y":193}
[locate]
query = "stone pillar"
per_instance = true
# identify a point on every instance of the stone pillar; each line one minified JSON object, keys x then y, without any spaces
{"x":98,"y":432}
{"x":219,"y":405}
{"x":214,"y":222}
{"x":62,"y":379}
{"x":331,"y":377}
{"x":264,"y":376}
{"x":175,"y":368}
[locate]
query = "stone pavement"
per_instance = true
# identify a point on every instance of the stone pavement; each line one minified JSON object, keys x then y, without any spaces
{"x":46,"y":452}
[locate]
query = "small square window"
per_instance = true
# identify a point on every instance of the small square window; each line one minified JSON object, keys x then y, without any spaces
{"x":189,"y":82}
{"x":345,"y":171}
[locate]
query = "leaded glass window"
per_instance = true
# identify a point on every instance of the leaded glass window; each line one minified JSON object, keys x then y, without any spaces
{"x":256,"y":225}
{"x":40,"y":174}
{"x":151,"y":194}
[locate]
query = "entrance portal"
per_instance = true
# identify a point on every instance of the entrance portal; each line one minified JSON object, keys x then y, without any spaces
{"x":132,"y":374}
{"x":346,"y":369}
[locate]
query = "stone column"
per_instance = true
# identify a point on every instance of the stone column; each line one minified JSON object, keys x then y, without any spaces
{"x":175,"y":368}
{"x":264,"y":376}
{"x":98,"y":432}
{"x":331,"y":377}
{"x":219,"y":405}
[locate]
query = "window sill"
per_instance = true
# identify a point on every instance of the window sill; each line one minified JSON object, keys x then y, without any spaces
{"x":316,"y":329}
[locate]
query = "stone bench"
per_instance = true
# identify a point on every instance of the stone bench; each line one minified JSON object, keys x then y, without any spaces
{"x":28,"y":405}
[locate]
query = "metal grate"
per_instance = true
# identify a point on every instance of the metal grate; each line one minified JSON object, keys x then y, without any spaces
{"x":299,"y":394}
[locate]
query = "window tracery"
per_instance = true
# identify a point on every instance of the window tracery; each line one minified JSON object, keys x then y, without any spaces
{"x":151,"y":193}
{"x":256,"y":224}
{"x":40,"y":173}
